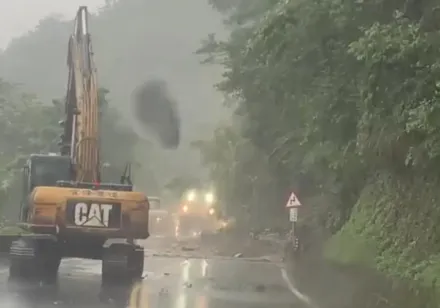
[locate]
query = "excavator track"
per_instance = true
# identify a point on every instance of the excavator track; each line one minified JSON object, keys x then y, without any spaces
{"x":35,"y":257}
{"x":38,"y":257}
{"x":122,"y":263}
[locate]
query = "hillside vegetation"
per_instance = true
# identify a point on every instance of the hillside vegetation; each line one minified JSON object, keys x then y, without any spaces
{"x":340,"y":101}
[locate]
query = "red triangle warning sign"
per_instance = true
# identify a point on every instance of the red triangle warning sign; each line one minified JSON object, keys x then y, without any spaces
{"x":293,"y":201}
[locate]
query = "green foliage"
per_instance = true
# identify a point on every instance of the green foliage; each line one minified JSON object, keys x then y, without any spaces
{"x":27,"y":127}
{"x":342,"y":99}
{"x":242,"y":11}
{"x":12,"y":231}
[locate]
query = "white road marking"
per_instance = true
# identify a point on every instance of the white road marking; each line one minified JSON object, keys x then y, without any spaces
{"x":89,"y":267}
{"x":302,"y":297}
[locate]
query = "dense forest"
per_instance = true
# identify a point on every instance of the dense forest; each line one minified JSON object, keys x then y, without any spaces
{"x":133,"y":42}
{"x":338,"y":100}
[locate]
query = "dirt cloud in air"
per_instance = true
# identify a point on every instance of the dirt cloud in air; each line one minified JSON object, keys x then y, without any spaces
{"x":156,"y":114}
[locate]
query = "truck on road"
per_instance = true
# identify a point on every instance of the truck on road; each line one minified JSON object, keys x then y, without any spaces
{"x":197,"y":213}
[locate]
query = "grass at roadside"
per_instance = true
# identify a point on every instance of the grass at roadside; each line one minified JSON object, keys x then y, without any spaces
{"x":348,"y":248}
{"x":372,"y":243}
{"x":12,"y":230}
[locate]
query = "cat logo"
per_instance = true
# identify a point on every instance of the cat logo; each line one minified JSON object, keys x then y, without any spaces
{"x":92,"y":214}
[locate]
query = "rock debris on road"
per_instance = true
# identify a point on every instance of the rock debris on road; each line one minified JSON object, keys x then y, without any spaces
{"x":185,"y":278}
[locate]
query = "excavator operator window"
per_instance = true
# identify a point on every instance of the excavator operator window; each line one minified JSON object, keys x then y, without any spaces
{"x":24,"y":198}
{"x":47,"y":171}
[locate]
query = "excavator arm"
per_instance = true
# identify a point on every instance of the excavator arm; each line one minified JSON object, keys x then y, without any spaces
{"x":80,"y":138}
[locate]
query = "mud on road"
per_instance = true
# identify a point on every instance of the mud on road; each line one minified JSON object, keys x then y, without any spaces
{"x":215,"y":246}
{"x":179,"y":273}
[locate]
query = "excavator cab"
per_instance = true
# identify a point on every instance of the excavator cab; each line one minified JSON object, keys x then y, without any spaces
{"x":43,"y":170}
{"x":46,"y":170}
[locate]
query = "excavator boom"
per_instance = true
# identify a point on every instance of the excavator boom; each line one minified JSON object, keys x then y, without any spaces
{"x":80,"y":139}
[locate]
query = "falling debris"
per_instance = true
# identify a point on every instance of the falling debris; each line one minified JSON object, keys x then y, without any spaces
{"x":156,"y":114}
{"x":260,"y":288}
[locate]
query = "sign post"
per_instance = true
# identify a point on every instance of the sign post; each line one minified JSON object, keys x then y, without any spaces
{"x":293,"y":214}
{"x":293,"y":204}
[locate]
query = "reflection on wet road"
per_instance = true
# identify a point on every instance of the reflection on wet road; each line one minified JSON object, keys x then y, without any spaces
{"x":169,"y":282}
{"x":217,"y":283}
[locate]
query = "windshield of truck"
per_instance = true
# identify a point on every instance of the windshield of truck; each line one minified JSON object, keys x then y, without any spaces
{"x":154,"y":203}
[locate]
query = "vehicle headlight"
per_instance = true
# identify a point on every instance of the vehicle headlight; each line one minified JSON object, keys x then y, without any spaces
{"x":211,"y":211}
{"x":191,"y":196}
{"x":209,"y":198}
{"x":185,"y":208}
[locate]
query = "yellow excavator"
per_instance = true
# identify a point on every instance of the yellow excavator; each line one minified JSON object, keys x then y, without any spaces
{"x":66,"y":208}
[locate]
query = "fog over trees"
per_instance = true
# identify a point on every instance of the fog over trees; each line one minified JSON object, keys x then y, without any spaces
{"x":134,"y":41}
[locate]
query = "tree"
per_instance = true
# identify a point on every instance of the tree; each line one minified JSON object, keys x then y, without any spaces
{"x":28,"y":126}
{"x":342,"y":100}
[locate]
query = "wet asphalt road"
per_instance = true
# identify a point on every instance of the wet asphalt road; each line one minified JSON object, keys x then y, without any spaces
{"x":170,"y":281}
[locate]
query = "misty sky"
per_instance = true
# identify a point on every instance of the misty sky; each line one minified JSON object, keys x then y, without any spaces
{"x":19,"y":16}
